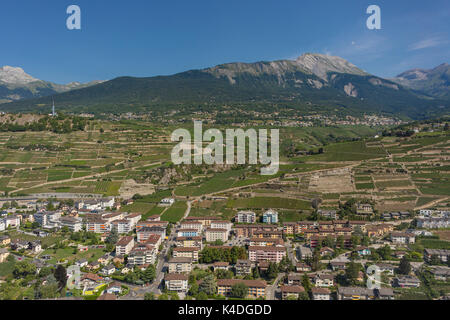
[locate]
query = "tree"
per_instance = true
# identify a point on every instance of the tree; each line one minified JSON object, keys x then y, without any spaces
{"x":272,"y":271}
{"x":61,"y":276}
{"x":193,"y":290}
{"x":404,"y":266}
{"x":202,"y":296}
{"x":149,"y":296}
{"x":113,"y":237}
{"x":352,"y":272}
{"x":306,"y":283}
{"x":23,"y":269}
{"x":385,"y":252}
{"x":163,"y":296}
{"x":303,"y":296}
{"x":255,"y":273}
{"x":239,"y":290}
{"x":149,"y":274}
{"x":174,"y":296}
{"x":208,"y":285}
{"x":315,"y":260}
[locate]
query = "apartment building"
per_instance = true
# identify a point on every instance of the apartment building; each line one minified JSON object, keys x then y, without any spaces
{"x":271,"y":254}
{"x":180,"y":265}
{"x":256,"y":288}
{"x":212,"y":235}
{"x":72,"y":223}
{"x":124,"y":245}
{"x":122,"y":226}
{"x":97,"y":226}
{"x":245,"y":217}
{"x":189,"y":252}
{"x":176,"y":282}
{"x":270,"y":216}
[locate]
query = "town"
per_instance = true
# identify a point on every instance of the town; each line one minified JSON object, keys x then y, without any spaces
{"x":128,"y":256}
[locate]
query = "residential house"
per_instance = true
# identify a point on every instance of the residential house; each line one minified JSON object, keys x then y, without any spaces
{"x":441,"y":273}
{"x":81,"y":263}
{"x":442,"y":255}
{"x":363,"y":251}
{"x":5,"y":240}
{"x":320,"y":293}
{"x":407,"y":282}
{"x":324,"y":280}
{"x":337,"y":265}
{"x":114,"y":288}
{"x":291,"y":291}
{"x":302,"y":267}
{"x":4,"y":253}
{"x":221,"y":265}
{"x":108,"y":270}
{"x":403,"y":238}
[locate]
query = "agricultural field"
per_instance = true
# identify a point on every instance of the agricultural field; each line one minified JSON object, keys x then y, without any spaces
{"x":125,"y":158}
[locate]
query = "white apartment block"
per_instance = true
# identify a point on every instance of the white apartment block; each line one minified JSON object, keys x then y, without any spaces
{"x":216,"y":234}
{"x":121,"y":226}
{"x":245,"y":217}
{"x":124,"y":245}
{"x":74,"y":224}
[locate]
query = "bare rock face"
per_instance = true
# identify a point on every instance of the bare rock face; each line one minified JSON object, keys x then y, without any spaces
{"x":16,"y":84}
{"x":321,"y":64}
{"x":350,"y":90}
{"x":317,"y":64}
{"x":15,"y":76}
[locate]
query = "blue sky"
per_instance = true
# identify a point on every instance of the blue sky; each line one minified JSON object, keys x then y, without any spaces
{"x":149,"y":37}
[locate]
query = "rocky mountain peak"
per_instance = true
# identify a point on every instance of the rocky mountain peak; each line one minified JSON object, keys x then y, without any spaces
{"x":15,"y":75}
{"x":321,"y":64}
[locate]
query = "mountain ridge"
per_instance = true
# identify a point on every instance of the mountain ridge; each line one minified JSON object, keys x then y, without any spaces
{"x":434,"y":82}
{"x":311,"y":79}
{"x":16,"y":84}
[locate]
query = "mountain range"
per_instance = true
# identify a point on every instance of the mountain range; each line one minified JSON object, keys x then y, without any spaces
{"x":435,"y":82}
{"x":312,"y":80}
{"x":15,"y":85}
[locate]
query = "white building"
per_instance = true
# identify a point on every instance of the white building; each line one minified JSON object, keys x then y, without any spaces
{"x":167,"y":201}
{"x":74,"y":224}
{"x":221,"y":224}
{"x":12,"y":221}
{"x":403,"y":238}
{"x":245,"y":217}
{"x":124,"y":245}
{"x":176,"y":282}
{"x":270,"y":216}
{"x":216,"y":234}
{"x":121,"y":226}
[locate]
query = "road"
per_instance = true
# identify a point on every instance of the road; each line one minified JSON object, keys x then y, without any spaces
{"x":138,"y":292}
{"x":270,"y":291}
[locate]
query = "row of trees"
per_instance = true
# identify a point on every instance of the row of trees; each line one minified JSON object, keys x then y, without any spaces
{"x":210,"y":255}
